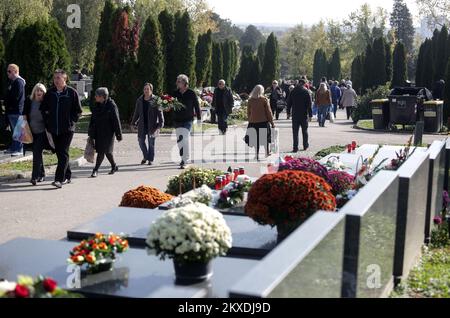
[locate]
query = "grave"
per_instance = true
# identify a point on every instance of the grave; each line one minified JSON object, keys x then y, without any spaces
{"x":250,"y":240}
{"x":447,"y":163}
{"x":135,"y":274}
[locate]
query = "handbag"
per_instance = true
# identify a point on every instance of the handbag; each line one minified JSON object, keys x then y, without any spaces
{"x":22,"y":132}
{"x":281,"y":105}
{"x":89,"y":151}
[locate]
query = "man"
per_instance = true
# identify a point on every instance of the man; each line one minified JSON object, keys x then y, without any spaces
{"x":223,"y":103}
{"x":15,"y":100}
{"x":276,"y":94}
{"x":299,"y":105}
{"x":335,"y":96}
{"x":183,"y":118}
{"x":61,"y":109}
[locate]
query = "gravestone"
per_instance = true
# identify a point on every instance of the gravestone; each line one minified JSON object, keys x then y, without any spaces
{"x":447,"y":163}
{"x":435,"y":187}
{"x":308,"y":264}
{"x":250,"y":239}
{"x":370,"y":238}
{"x":135,"y":274}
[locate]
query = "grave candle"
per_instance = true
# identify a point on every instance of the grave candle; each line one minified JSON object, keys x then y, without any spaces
{"x":354,"y":145}
{"x":349,"y":148}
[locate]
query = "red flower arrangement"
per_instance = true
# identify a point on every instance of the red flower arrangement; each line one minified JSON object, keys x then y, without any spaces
{"x":27,"y":287}
{"x":168,"y":103}
{"x":288,"y":198}
{"x":306,"y":164}
{"x":145,"y":198}
{"x":341,"y":181}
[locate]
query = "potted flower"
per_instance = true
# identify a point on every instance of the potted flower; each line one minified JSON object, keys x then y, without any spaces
{"x":97,"y":254}
{"x":145,"y":198}
{"x":287,"y":199}
{"x":234,"y":194}
{"x":191,"y":179}
{"x":192,"y":236}
{"x":306,"y":164}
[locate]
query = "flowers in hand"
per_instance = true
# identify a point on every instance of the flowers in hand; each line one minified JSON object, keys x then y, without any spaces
{"x":168,"y":103}
{"x":193,"y":233}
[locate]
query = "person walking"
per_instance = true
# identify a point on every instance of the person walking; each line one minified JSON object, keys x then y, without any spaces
{"x":260,"y":119}
{"x":276,"y":95}
{"x":323,"y":101}
{"x":104,"y":125}
{"x":184,"y":118}
{"x":148,"y":118}
{"x":15,"y":101}
{"x":61,"y":109}
{"x":348,"y":100}
{"x":36,"y":121}
{"x":335,"y":96}
{"x":223,"y":103}
{"x":299,"y":106}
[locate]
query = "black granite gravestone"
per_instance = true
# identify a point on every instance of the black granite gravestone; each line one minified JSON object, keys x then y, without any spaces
{"x":250,"y":239}
{"x":135,"y":274}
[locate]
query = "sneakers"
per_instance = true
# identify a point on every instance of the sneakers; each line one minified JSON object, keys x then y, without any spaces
{"x":94,"y":174}
{"x":57,"y":184}
{"x":67,"y":181}
{"x":16,"y":154}
{"x":114,"y":170}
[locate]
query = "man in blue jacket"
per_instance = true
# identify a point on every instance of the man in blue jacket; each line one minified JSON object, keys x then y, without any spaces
{"x":336,"y":95}
{"x":15,"y":100}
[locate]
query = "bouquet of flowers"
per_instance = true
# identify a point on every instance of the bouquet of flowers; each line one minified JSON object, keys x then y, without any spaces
{"x":27,"y":287}
{"x":191,"y":179}
{"x":288,"y":197}
{"x":204,"y":195}
{"x":341,"y":181}
{"x":306,"y":164}
{"x":193,"y":233}
{"x":367,"y":171}
{"x":402,"y":156}
{"x":335,"y":163}
{"x":145,"y":198}
{"x":233,"y":194}
{"x":168,"y":103}
{"x":97,"y":251}
{"x":440,"y":235}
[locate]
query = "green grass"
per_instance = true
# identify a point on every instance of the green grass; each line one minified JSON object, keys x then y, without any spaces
{"x":365,"y":124}
{"x":50,"y":159}
{"x":326,"y":151}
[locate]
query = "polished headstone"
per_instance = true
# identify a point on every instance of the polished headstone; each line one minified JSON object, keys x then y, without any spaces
{"x":249,"y":238}
{"x":135,"y":274}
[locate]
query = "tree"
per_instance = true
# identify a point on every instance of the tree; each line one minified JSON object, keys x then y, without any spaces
{"x":320,"y":68}
{"x":167,"y":23}
{"x":271,"y":66}
{"x":150,"y":56}
{"x":184,"y":47}
{"x":357,"y":73}
{"x":243,"y":79}
{"x":447,"y":93}
{"x":435,"y":12}
{"x":49,"y":53}
{"x":388,"y":62}
{"x":402,"y":23}
{"x":234,"y":60}
{"x":252,"y":36}
{"x":2,"y":69}
{"x":217,"y":63}
{"x":399,"y":66}
{"x":442,"y":54}
{"x":80,"y":41}
{"x":261,"y":52}
{"x":225,"y":29}
{"x":420,"y":66}
{"x":227,"y":61}
{"x":255,"y":73}
{"x":428,"y":66}
{"x":379,"y":75}
{"x":367,"y":78}
{"x":203,"y":53}
{"x":335,"y":66}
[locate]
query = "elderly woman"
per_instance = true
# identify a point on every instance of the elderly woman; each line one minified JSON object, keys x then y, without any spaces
{"x":149,"y":119}
{"x":104,"y":125}
{"x":37,"y":124}
{"x":349,"y":100}
{"x":259,"y":117}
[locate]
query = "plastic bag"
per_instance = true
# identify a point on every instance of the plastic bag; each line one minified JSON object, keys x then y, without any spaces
{"x":332,"y":117}
{"x":274,"y":145}
{"x":89,"y":151}
{"x":22,"y":132}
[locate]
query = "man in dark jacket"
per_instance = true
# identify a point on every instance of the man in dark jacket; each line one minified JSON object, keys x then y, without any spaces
{"x":223,"y":103}
{"x":299,"y":106}
{"x":276,"y":94}
{"x":15,"y":100}
{"x":61,"y":109}
{"x":184,"y":118}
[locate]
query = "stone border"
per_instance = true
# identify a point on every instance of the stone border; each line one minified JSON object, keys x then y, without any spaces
{"x":355,"y":126}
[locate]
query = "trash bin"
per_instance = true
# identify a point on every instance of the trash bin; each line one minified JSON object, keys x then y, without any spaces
{"x":404,"y":102}
{"x":433,"y":116}
{"x":380,"y":113}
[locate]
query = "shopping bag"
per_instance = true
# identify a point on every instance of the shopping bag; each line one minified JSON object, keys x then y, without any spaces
{"x":332,"y":117}
{"x":89,"y":151}
{"x":274,"y":145}
{"x":22,"y":132}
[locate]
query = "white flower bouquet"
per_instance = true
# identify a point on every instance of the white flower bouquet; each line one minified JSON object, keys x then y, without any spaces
{"x":193,"y":233}
{"x":204,"y":195}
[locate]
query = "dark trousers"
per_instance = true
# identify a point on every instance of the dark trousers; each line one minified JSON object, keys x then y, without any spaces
{"x":222,"y":118}
{"x":38,"y":161}
{"x":101,"y":157}
{"x":62,"y":146}
{"x":148,"y":153}
{"x":349,"y":111}
{"x":296,"y":124}
{"x":275,"y":111}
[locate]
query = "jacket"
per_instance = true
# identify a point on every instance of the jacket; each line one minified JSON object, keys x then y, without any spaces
{"x":335,"y":94}
{"x":323,"y":98}
{"x":192,"y":107}
{"x":155,"y":117}
{"x":349,"y":98}
{"x":228,"y":100}
{"x":61,"y":111}
{"x":275,"y":95}
{"x":104,"y":125}
{"x":299,"y":104}
{"x":15,"y":97}
{"x":258,"y":111}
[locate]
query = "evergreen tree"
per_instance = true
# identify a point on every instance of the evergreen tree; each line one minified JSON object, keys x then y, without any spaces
{"x":357,"y":73}
{"x":217,"y":63}
{"x":167,"y":23}
{"x":388,"y":62}
{"x":235,"y":63}
{"x":402,"y":23}
{"x":271,"y":66}
{"x":241,"y":83}
{"x":320,"y":67}
{"x":203,"y":53}
{"x":420,"y":66}
{"x":435,"y":43}
{"x":184,"y":47}
{"x":399,"y":66}
{"x":379,"y":62}
{"x":2,"y":69}
{"x":39,"y":59}
{"x":252,"y":36}
{"x":447,"y":94}
{"x":428,"y":66}
{"x":227,"y":61}
{"x":335,"y":66}
{"x":127,"y":89}
{"x":261,"y":52}
{"x":255,"y":73}
{"x":442,"y":55}
{"x":150,"y":56}
{"x":367,"y":79}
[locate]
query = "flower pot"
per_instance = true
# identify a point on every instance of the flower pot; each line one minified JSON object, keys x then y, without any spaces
{"x":105,"y":266}
{"x":192,"y":272}
{"x":284,"y":230}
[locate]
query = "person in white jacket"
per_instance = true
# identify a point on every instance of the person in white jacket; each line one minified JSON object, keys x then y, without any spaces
{"x":349,"y":100}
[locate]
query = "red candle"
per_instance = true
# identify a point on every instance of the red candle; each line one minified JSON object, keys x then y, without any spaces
{"x":236,"y":174}
{"x":228,"y":178}
{"x":218,"y":183}
{"x":241,"y":171}
{"x":224,"y":181}
{"x":354,"y":145}
{"x":349,"y":148}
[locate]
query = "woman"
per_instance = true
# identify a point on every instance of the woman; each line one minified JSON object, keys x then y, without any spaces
{"x":323,"y":102}
{"x":149,"y":119}
{"x":259,"y":117}
{"x":37,"y":124}
{"x":104,"y":125}
{"x":276,"y":94}
{"x":348,"y":100}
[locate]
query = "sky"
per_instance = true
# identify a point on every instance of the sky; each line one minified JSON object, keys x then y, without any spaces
{"x":292,"y":12}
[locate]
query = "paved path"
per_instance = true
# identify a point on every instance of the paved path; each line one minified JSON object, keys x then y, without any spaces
{"x":46,"y":213}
